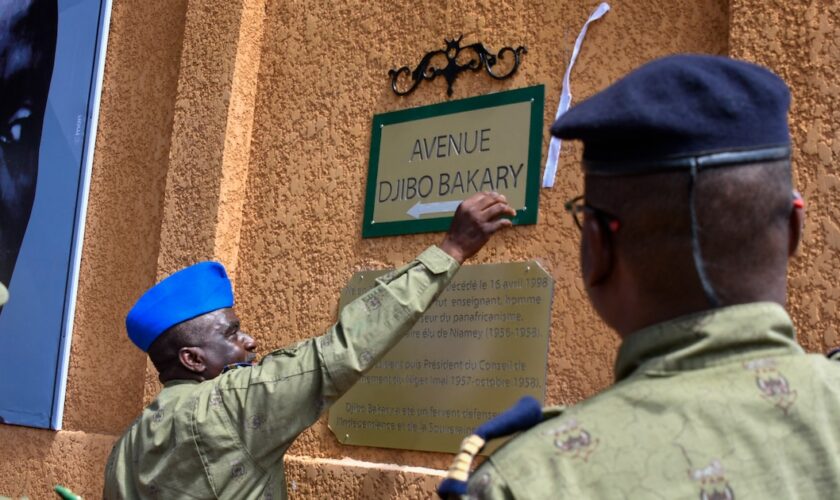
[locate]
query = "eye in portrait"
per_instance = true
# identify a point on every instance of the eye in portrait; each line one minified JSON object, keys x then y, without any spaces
{"x":28,"y":30}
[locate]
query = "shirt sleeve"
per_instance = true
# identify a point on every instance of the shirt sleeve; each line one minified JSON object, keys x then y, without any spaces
{"x":271,"y":403}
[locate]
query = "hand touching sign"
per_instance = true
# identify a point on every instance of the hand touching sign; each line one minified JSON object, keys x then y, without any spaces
{"x":476,"y":219}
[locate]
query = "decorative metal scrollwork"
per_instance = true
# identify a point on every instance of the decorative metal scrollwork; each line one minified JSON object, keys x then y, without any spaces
{"x":446,"y":62}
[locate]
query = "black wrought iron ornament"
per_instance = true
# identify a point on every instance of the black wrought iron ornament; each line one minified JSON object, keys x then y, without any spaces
{"x":454,"y":60}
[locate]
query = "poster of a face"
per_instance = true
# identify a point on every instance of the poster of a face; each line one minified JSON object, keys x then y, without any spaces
{"x":51,"y":59}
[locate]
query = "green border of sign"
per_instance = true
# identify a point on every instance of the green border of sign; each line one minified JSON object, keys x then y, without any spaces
{"x":527,"y":215}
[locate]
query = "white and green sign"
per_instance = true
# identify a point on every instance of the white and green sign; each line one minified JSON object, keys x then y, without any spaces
{"x":425,"y":161}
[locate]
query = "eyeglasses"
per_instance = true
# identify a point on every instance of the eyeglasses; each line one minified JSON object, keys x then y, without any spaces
{"x":576,"y":206}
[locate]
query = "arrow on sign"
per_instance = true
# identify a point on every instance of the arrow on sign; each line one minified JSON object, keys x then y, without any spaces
{"x":419,"y":209}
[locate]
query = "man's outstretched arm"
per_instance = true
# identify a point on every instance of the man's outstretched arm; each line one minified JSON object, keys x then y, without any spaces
{"x":291,"y":387}
{"x":365,"y":324}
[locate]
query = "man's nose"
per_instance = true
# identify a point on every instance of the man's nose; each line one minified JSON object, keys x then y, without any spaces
{"x":249,"y":343}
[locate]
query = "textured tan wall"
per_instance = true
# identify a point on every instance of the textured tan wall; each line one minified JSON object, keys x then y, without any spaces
{"x":33,"y":461}
{"x":122,"y":232}
{"x":323,"y":76}
{"x":347,"y":478}
{"x":211,"y":140}
{"x":240,"y":131}
{"x":801,"y":42}
{"x":211,"y":136}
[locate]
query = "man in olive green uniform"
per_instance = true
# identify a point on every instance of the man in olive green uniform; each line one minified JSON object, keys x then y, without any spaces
{"x":220,"y":431}
{"x":687,"y":222}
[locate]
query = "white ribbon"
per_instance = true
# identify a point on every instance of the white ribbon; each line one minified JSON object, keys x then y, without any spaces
{"x":566,"y":98}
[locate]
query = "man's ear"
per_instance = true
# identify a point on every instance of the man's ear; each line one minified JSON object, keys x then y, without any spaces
{"x":796,"y":223}
{"x":192,"y":358}
{"x":597,"y":252}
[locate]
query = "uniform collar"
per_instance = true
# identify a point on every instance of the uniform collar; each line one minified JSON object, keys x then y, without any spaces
{"x":179,"y":381}
{"x":709,"y":338}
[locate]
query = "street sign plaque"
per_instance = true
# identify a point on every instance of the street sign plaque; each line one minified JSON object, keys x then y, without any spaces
{"x":424,"y":161}
{"x":480,"y":347}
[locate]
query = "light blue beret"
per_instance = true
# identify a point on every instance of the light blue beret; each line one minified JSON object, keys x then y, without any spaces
{"x":186,"y":294}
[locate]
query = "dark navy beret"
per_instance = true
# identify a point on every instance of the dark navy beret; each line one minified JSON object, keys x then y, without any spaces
{"x":186,"y":294}
{"x":682,"y":110}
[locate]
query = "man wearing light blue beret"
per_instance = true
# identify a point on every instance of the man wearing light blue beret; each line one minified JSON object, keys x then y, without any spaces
{"x":688,"y":220}
{"x":221,"y":425}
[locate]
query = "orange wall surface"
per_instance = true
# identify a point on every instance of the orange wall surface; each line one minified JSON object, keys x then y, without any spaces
{"x":239,"y":130}
{"x":300,"y":239}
